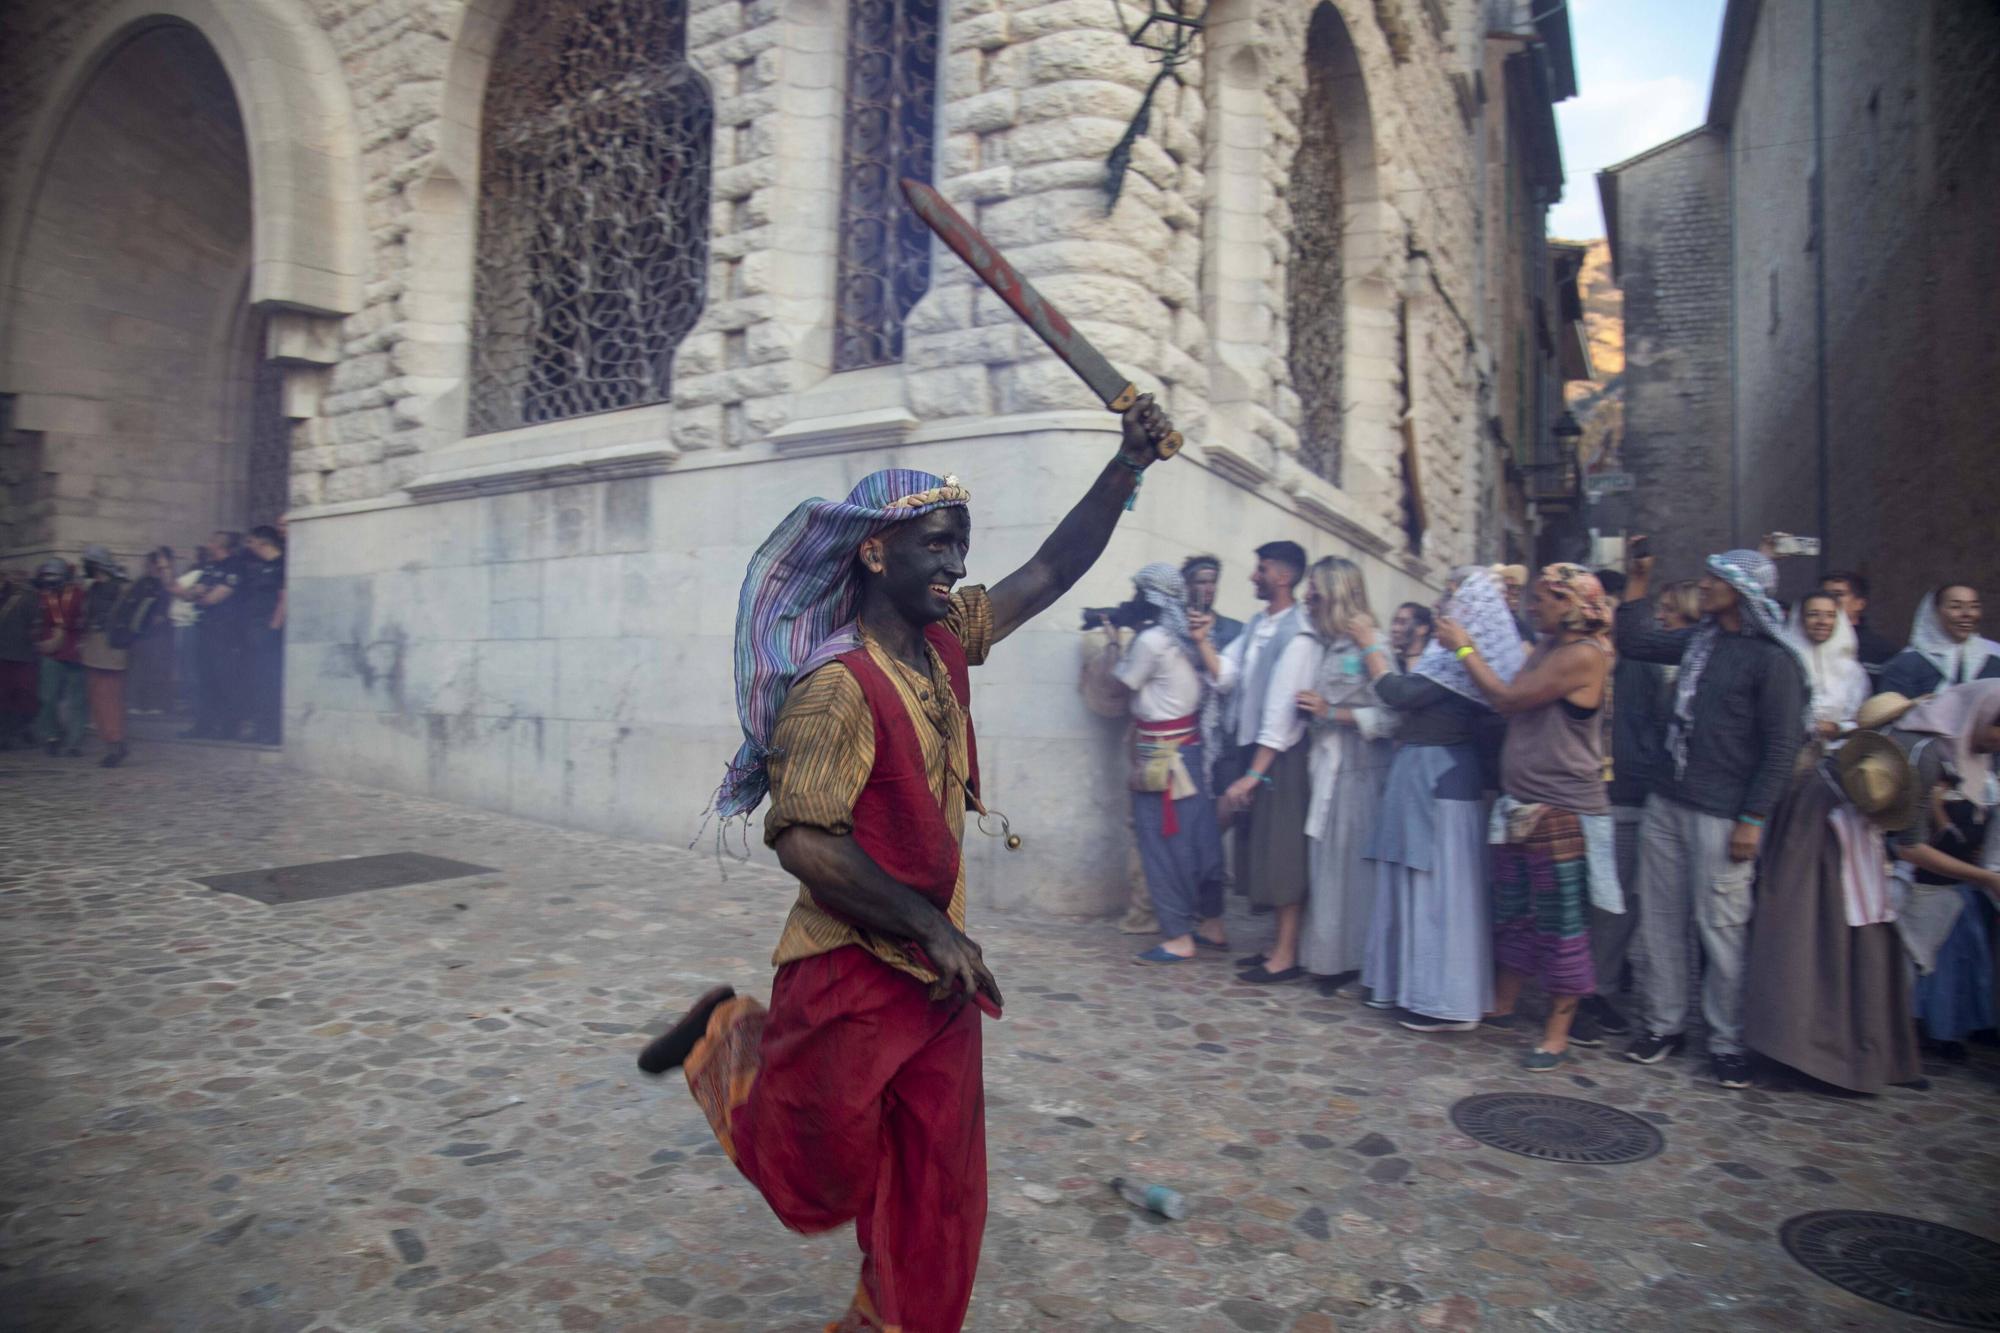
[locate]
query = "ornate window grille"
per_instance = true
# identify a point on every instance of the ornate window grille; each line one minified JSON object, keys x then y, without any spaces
{"x":270,"y":480}
{"x":885,"y":249}
{"x":592,"y":259}
{"x":1314,"y":299}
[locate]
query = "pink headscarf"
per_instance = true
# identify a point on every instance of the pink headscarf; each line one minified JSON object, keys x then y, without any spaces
{"x":1587,"y":607}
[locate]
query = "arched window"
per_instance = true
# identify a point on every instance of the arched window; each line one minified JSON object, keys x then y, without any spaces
{"x":1314,"y":296}
{"x":593,"y":211}
{"x":885,"y":249}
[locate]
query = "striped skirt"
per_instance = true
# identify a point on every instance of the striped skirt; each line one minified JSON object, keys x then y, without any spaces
{"x":1541,"y":902}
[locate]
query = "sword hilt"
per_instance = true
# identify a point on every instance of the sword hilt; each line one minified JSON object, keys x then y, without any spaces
{"x":1166,"y":446}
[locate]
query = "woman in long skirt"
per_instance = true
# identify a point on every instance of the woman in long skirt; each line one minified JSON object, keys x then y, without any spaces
{"x":1827,"y":980}
{"x":1430,"y":942}
{"x":1349,"y":761}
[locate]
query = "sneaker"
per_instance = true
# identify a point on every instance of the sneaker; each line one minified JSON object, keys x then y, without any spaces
{"x":1731,"y":1071}
{"x":1653,"y":1047}
{"x":1539,"y":1061}
{"x":1425,"y":1023}
{"x":1584,"y":1030}
{"x":1605,"y":1014}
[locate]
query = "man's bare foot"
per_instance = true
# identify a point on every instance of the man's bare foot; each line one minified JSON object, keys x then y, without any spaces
{"x":671,"y":1048}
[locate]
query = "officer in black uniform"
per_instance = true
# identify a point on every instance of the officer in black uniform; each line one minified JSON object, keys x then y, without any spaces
{"x":219,"y":707}
{"x":262,"y":596}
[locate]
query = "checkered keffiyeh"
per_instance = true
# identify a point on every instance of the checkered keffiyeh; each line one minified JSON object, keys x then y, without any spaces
{"x":798,"y":604}
{"x":1754,"y":577}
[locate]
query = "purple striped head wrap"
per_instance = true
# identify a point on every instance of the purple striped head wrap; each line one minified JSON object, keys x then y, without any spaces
{"x":796,"y":612}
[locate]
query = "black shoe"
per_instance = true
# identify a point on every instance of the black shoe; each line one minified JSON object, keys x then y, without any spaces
{"x":52,"y":749}
{"x":1584,"y":1031}
{"x":673,"y":1046}
{"x":1264,"y":976}
{"x":1731,"y":1071}
{"x":1606,"y":1016}
{"x":115,"y":757}
{"x":1653,"y":1047}
{"x":74,"y":752}
{"x":1953,"y":1052}
{"x":1330,"y":986}
{"x":1252,"y":960}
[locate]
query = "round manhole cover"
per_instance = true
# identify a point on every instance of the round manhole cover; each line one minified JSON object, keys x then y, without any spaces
{"x":1557,"y":1129}
{"x":1920,"y":1268}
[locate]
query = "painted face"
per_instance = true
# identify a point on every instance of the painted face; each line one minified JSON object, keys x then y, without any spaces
{"x":1717,"y":595}
{"x":1401,"y":626}
{"x":1820,"y":616}
{"x":1958,"y":608}
{"x":922,"y":560}
{"x":1201,"y":586}
{"x":1546,"y":610}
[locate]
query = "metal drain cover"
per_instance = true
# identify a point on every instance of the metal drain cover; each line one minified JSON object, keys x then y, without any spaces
{"x":1556,"y":1129}
{"x":1920,"y":1268}
{"x":335,"y":879}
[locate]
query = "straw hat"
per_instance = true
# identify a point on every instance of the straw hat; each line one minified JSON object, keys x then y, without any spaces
{"x":1877,"y":779}
{"x":1883,"y":710}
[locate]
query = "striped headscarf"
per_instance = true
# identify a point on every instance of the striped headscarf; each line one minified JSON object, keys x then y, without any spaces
{"x":1755,"y":578}
{"x":796,"y":611}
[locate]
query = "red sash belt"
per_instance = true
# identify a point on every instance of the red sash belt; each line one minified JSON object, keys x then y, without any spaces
{"x":1172,"y":728}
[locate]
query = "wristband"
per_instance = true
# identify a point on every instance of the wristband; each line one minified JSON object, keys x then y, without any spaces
{"x":1264,"y":778}
{"x":1752,"y":820}
{"x":1465,"y":652}
{"x":1373,"y":648}
{"x":1138,"y":471}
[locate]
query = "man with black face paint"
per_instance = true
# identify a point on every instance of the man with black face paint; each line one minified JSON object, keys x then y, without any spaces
{"x":857,"y":1096}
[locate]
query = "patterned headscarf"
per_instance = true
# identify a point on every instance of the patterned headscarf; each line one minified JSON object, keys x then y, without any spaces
{"x":1480,"y":606}
{"x":798,"y":604}
{"x":1753,"y":576}
{"x":1166,"y":592}
{"x":1587,"y":610}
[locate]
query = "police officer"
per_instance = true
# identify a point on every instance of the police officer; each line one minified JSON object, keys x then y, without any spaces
{"x":262,"y":596}
{"x":219,"y":705}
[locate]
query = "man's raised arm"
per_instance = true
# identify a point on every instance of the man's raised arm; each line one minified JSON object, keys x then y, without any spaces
{"x":1081,"y":536}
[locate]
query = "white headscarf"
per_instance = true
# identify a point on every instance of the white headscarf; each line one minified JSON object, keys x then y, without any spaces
{"x":1833,"y":669}
{"x":1929,"y":637}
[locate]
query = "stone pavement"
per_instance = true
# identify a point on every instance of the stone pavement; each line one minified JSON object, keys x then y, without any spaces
{"x":416,"y":1108}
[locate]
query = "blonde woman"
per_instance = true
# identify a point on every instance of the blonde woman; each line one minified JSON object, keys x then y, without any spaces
{"x":1679,"y":605}
{"x":1349,"y":761}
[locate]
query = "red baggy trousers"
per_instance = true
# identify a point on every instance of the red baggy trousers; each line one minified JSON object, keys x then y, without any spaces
{"x":857,"y":1098}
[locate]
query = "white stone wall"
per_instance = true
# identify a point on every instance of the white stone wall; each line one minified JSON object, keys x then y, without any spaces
{"x":538,"y":619}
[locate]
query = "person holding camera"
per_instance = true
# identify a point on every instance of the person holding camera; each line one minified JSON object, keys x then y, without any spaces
{"x":117,"y":612}
{"x":1160,"y":674}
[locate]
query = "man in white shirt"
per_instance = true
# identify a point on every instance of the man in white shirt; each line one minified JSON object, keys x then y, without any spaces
{"x":1272,"y":862}
{"x":1173,"y":809}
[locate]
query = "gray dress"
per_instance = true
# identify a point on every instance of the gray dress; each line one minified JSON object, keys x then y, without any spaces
{"x":1348,"y":766}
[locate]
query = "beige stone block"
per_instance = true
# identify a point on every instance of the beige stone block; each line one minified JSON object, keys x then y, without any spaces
{"x":994,"y":183}
{"x":1041,"y":385}
{"x":980,"y":32}
{"x":700,"y":390}
{"x":1079,"y":97}
{"x":942,"y":309}
{"x":1085,"y":54}
{"x":983,"y":113}
{"x":999,"y":342}
{"x":1068,"y":16}
{"x":1067,"y":139}
{"x":952,"y":391}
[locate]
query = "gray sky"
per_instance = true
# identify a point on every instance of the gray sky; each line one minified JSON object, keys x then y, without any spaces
{"x":1643,"y":67}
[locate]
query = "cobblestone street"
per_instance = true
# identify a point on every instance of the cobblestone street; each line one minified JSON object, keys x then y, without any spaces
{"x":416,"y":1108}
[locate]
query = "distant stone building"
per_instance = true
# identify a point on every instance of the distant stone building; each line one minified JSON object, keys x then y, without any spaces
{"x":537,"y":317}
{"x":1810,"y":284}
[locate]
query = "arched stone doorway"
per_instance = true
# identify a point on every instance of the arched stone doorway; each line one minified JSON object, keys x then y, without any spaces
{"x":133,"y":357}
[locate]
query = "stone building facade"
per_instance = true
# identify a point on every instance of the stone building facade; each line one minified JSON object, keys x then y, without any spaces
{"x":1824,"y":253}
{"x":541,"y":316}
